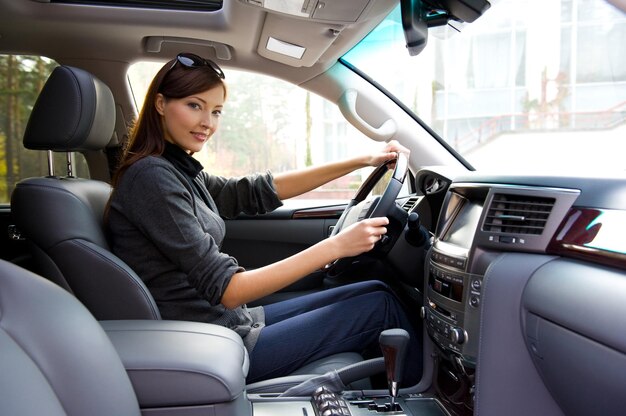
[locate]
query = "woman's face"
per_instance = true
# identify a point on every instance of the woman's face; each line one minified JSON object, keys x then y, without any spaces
{"x":189,"y":122}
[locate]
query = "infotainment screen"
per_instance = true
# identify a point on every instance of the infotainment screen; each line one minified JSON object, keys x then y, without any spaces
{"x":461,"y":231}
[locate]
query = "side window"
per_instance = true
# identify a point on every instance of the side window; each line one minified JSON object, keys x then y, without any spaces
{"x":21,"y":80}
{"x":269,"y":124}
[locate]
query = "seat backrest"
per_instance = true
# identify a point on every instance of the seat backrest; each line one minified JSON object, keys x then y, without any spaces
{"x":62,"y":217}
{"x":55,"y":359}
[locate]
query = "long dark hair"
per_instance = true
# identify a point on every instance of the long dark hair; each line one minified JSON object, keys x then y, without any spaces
{"x":173,"y":80}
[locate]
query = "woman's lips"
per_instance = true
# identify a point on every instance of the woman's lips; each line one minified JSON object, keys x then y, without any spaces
{"x":201,"y":136}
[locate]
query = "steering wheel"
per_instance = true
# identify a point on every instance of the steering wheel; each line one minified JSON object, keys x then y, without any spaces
{"x":360,"y":208}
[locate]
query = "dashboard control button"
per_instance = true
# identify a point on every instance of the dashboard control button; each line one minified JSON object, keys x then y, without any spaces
{"x":476,"y":284}
{"x":507,"y":239}
{"x":329,"y":405}
{"x":474,"y":301}
{"x":458,"y":335}
{"x":445,"y":288}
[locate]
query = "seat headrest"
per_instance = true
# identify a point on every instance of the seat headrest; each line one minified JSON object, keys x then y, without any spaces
{"x":75,"y":111}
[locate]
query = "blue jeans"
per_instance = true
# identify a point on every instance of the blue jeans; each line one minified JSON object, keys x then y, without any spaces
{"x":344,"y":319}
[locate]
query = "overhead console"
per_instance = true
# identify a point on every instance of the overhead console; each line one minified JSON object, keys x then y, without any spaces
{"x":338,"y":11}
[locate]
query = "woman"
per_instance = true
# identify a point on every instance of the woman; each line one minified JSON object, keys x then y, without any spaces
{"x":164,"y":220}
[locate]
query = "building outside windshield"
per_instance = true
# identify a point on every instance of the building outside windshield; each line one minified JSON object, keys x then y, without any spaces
{"x":532,"y":85}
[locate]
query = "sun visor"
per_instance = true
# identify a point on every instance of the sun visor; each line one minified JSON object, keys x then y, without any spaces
{"x":295,"y":42}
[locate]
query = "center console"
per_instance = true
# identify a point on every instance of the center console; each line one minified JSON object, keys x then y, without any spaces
{"x":182,"y":368}
{"x":326,"y":403}
{"x":453,"y":297}
{"x":454,"y":288}
{"x":190,"y":368}
{"x":477,"y":223}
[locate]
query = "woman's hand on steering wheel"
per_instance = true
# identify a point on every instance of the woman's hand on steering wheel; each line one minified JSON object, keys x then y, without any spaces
{"x":389,"y":152}
{"x":360,"y":237}
{"x":362,"y":210}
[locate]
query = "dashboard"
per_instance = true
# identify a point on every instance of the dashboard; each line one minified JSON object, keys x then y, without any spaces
{"x":506,"y":251}
{"x":477,"y":221}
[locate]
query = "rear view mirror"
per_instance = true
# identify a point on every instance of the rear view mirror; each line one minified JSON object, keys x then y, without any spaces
{"x":415,"y":28}
{"x":419,"y":15}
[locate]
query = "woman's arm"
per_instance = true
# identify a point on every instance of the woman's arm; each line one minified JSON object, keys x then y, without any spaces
{"x":254,"y":284}
{"x":294,"y":183}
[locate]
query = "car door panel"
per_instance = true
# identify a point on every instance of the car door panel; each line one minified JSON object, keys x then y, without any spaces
{"x":256,"y":241}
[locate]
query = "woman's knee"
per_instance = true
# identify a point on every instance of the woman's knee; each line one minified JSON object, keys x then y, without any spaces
{"x":369,"y":286}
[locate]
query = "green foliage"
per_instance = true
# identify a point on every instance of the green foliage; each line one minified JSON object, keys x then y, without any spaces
{"x":21,"y":80}
{"x":252,"y":134}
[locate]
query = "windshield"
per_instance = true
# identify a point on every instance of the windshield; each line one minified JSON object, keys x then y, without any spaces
{"x":534,"y":85}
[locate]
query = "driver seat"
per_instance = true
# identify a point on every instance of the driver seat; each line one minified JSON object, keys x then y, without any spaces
{"x":62,"y":216}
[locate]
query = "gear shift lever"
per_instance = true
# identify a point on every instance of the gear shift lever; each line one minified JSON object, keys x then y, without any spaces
{"x":393,"y":343}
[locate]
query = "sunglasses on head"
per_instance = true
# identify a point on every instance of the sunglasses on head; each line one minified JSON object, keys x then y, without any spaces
{"x":191,"y":60}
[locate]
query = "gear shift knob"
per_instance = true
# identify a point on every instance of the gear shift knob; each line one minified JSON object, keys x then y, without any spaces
{"x":393,"y":343}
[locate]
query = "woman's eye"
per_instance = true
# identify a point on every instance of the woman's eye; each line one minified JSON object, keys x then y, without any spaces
{"x":217,"y":113}
{"x":194,"y":106}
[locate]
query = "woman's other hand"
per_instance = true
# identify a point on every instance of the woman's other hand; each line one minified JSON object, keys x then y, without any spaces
{"x":360,"y":237}
{"x":389,"y":152}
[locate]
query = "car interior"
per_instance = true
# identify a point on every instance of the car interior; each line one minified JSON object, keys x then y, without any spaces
{"x":505,"y":241}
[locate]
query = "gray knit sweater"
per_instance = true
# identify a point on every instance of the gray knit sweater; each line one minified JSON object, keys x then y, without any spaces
{"x":161,"y":227}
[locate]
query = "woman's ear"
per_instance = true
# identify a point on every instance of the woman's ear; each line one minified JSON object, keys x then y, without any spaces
{"x":159,"y":103}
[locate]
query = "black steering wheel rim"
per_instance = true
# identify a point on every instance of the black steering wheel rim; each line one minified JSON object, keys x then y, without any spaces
{"x":382,"y":206}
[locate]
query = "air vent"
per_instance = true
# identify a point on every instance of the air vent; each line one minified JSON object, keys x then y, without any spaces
{"x":410,"y":203}
{"x":518,"y":214}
